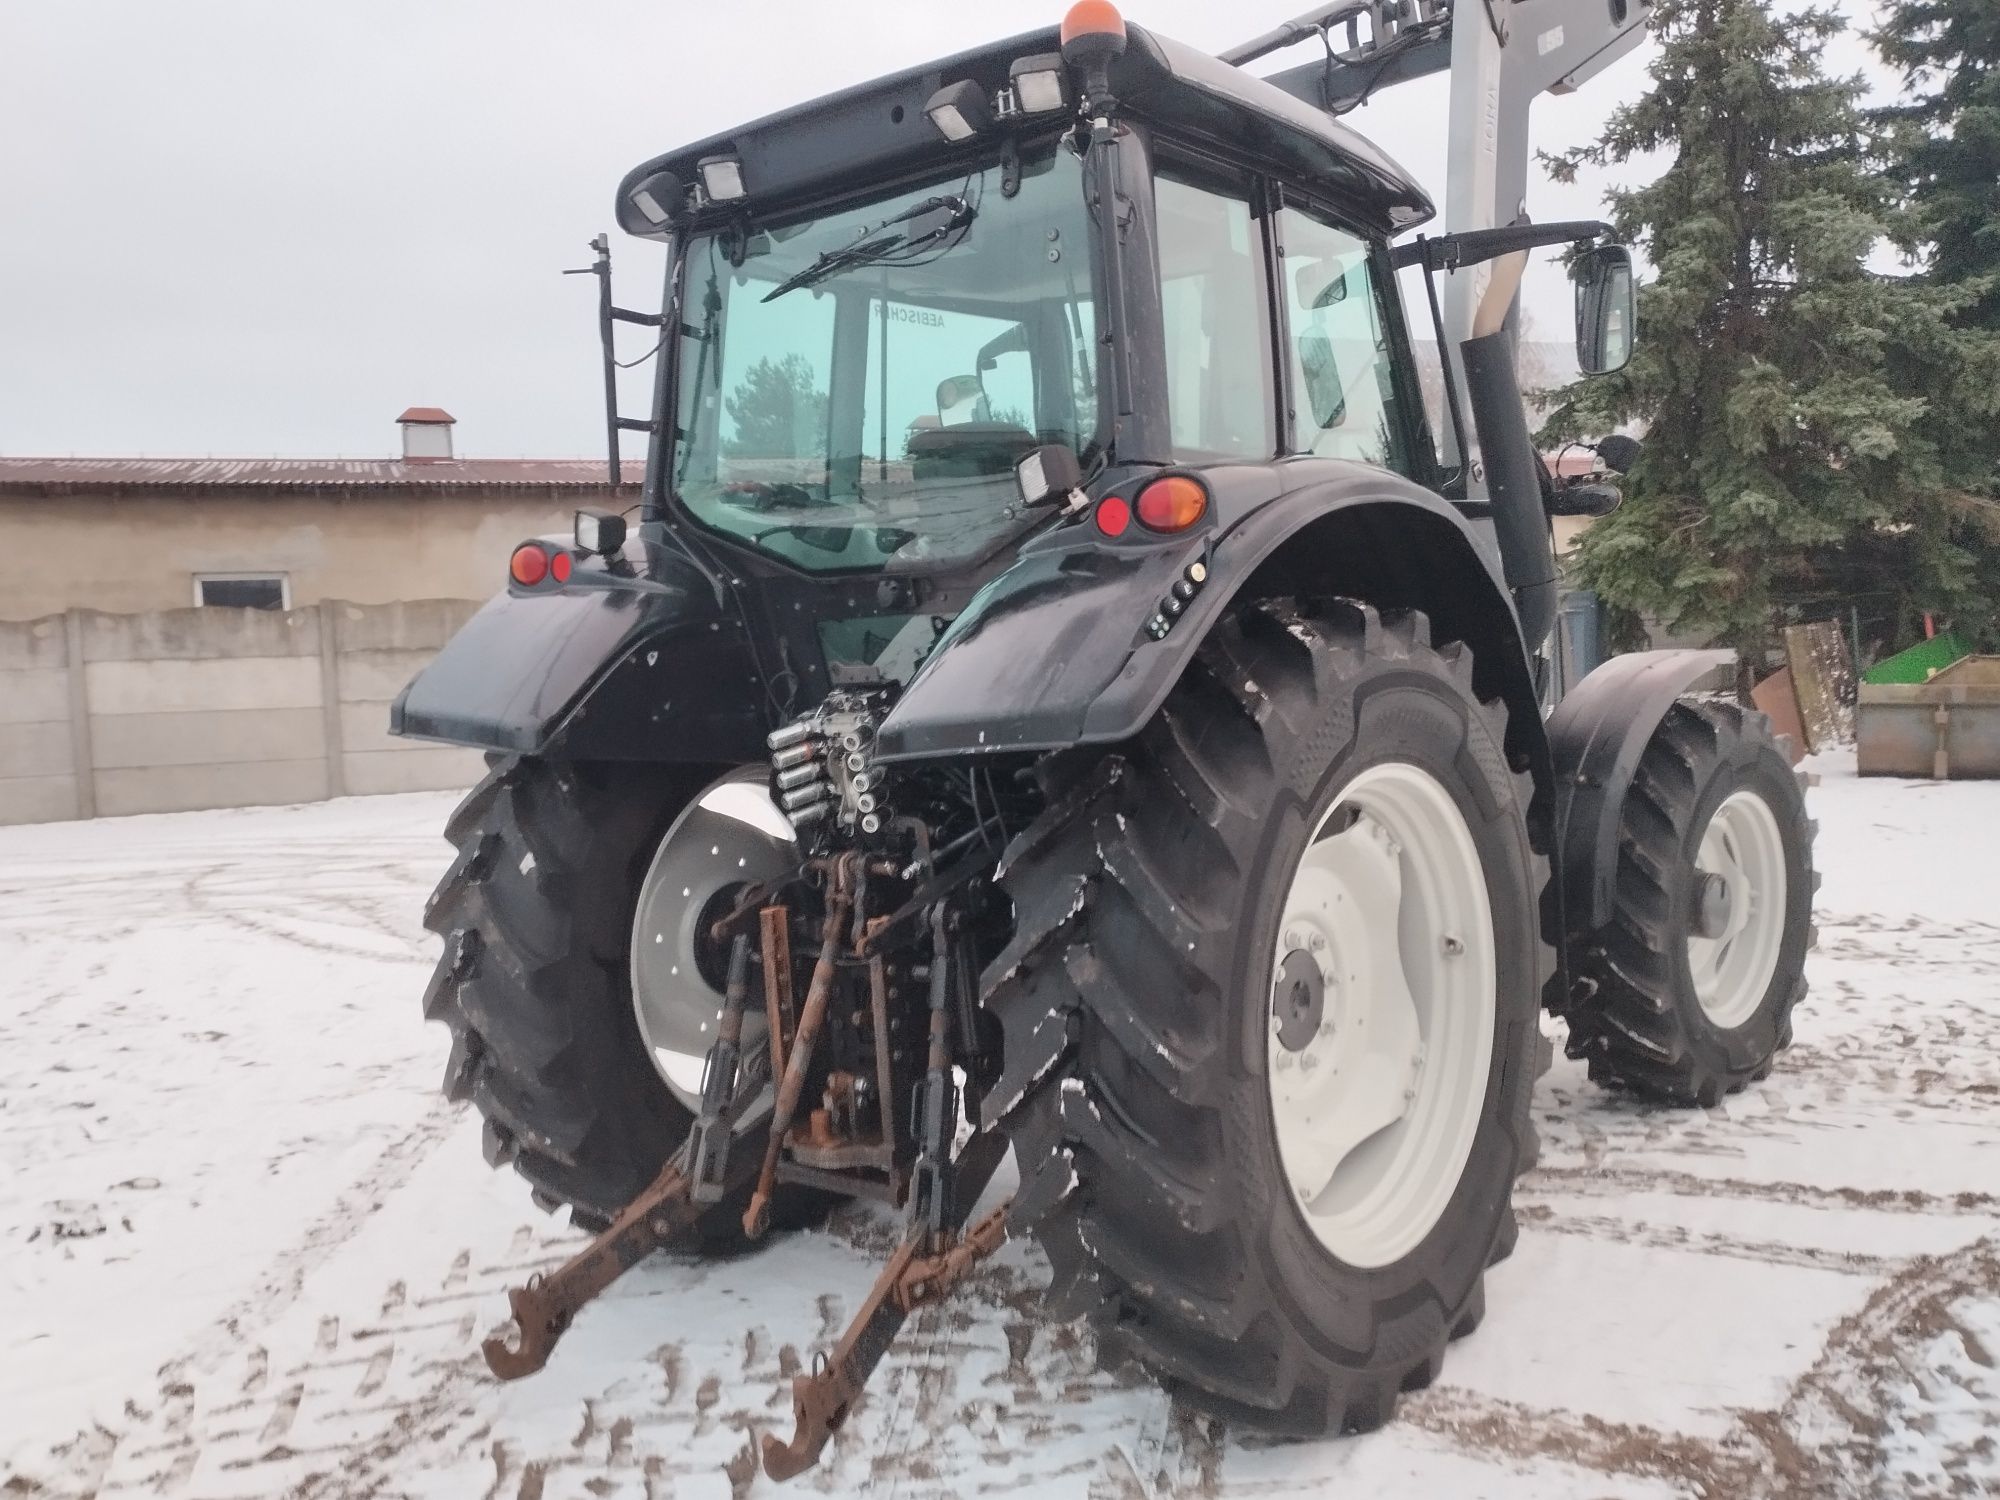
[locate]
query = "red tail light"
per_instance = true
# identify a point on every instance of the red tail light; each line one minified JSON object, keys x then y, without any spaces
{"x":559,"y":567}
{"x":1114,"y":514}
{"x":529,"y":566}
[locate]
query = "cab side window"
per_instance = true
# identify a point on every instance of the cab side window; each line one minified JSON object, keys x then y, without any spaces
{"x":1344,"y":395}
{"x":1213,"y":307}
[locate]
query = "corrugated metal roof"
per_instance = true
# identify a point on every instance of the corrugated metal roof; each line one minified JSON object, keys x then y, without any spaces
{"x":43,"y":475}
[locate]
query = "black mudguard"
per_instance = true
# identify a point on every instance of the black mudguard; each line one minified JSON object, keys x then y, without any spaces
{"x":642,"y":666}
{"x":1596,"y":736}
{"x":1055,"y":651}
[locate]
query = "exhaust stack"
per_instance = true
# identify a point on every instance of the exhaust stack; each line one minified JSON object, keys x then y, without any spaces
{"x":1513,"y":476}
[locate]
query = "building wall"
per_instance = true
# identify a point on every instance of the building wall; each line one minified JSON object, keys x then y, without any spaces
{"x":127,"y":554}
{"x":102,"y":715}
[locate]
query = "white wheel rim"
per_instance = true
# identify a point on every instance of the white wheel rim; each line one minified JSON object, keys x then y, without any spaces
{"x":1376,"y":1112}
{"x":730,"y":836}
{"x":1732,"y":970}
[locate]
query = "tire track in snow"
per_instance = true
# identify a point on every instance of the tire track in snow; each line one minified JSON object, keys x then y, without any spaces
{"x":1826,"y":1438}
{"x":1556,"y":1220}
{"x":1848,"y":1403}
{"x":283,"y":1282}
{"x":278,"y":918}
{"x":1613,"y":1181}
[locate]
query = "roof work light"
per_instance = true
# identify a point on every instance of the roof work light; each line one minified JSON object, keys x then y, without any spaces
{"x":721,"y":178}
{"x":1039,"y":84}
{"x":658,"y":198}
{"x":959,"y":110}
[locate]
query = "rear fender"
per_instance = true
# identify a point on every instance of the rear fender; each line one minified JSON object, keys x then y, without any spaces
{"x":1055,"y":651}
{"x":1596,"y":737}
{"x":644,"y":666}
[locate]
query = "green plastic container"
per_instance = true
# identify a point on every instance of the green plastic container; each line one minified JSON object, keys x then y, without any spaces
{"x":1916,"y":664}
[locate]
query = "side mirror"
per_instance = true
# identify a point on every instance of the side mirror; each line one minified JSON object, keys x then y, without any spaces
{"x":1605,"y":310}
{"x":1585,"y":500}
{"x":1618,"y":452}
{"x":960,"y":398}
{"x":1321,"y":283}
{"x":1013,"y":341}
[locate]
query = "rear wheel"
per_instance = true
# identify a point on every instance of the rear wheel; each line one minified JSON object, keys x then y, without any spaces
{"x":1687,"y":994}
{"x":571,"y":881}
{"x":1270,"y":1020}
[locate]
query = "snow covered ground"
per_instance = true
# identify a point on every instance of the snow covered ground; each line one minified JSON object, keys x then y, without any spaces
{"x":249,"y":1252}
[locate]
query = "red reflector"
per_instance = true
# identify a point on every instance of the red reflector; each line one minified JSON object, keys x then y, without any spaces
{"x":1114,"y":514}
{"x":559,"y":566}
{"x":529,"y":566}
{"x":1172,"y":504}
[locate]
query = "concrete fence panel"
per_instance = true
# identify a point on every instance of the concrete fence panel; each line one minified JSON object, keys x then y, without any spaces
{"x":196,"y":708}
{"x":37,"y":760}
{"x":378,"y":650}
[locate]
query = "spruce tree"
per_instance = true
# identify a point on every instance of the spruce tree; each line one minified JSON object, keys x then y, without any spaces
{"x":1791,"y":398}
{"x":1944,"y":146}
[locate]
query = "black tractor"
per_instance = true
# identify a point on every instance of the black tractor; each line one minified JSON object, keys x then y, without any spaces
{"x":1062,"y":692}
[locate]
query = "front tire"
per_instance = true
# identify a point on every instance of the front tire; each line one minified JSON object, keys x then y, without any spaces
{"x":1143,"y":991}
{"x":1687,"y":993}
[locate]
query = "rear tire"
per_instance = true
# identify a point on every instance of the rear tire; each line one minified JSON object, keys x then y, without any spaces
{"x":535,"y":981}
{"x":1658,"y":1014}
{"x":1138,"y":1009}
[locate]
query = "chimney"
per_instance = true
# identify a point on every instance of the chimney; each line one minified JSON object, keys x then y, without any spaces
{"x":426,"y":434}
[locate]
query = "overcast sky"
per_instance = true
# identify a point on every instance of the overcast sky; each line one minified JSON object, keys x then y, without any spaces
{"x":242,"y":227}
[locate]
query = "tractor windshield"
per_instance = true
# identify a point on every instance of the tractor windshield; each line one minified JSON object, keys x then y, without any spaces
{"x":854,"y":389}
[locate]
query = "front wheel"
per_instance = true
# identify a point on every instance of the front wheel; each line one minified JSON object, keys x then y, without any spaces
{"x":1687,"y":993}
{"x":1270,"y":1020}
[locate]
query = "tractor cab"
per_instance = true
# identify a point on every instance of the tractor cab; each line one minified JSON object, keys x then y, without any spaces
{"x":883,"y":303}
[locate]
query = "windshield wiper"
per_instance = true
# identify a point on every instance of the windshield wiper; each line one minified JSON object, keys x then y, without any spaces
{"x":876,"y":248}
{"x":833,"y":262}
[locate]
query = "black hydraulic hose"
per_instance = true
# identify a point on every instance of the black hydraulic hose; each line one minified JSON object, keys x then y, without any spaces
{"x":1513,"y":482}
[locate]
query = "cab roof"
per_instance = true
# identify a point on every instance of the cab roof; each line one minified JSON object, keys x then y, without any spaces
{"x":879,"y":129}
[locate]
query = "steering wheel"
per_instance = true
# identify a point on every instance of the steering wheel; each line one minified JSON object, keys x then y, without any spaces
{"x":753,"y":494}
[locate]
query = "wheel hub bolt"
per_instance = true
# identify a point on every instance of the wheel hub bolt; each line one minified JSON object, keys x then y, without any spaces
{"x":1297,"y":1001}
{"x":1711,"y":905}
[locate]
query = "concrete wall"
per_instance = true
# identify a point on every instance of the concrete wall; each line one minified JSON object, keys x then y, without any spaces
{"x":105,"y":714}
{"x":129,"y":554}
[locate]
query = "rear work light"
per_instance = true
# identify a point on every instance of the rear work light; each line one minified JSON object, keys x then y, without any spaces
{"x":533,"y":563}
{"x":599,"y":531}
{"x":1172,"y":504}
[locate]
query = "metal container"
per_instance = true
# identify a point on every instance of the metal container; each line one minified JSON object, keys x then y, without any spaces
{"x":1919,"y":662}
{"x":1948,"y":727}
